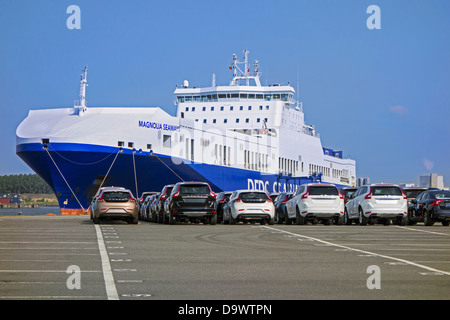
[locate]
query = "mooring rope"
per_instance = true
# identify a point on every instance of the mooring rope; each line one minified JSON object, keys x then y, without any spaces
{"x":151,"y":152}
{"x":46,"y":149}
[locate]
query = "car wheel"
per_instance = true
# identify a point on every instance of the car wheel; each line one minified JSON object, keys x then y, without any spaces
{"x":286,"y":218}
{"x":171,"y":218}
{"x":362,"y":218}
{"x":427,"y":219}
{"x":347,"y":220}
{"x":213,"y":220}
{"x":445,"y":223}
{"x":299,"y":219}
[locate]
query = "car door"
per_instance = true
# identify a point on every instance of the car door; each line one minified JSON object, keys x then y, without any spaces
{"x":351,"y":204}
{"x":421,"y":204}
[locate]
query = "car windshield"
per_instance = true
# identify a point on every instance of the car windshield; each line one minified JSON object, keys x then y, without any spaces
{"x":114,"y":196}
{"x":412,"y":193}
{"x":386,"y":191}
{"x":194,"y":189}
{"x":442,"y":194}
{"x":323,"y":190}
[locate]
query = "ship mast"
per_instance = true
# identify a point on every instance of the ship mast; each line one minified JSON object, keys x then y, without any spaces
{"x":81,"y":106}
{"x":244,"y":75}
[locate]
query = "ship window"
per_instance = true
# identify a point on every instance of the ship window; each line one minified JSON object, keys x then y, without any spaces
{"x":249,"y":107}
{"x":130,"y":144}
{"x":204,"y":120}
{"x":119,"y":143}
{"x":247,"y":120}
{"x":231,"y":108}
{"x":259,"y":96}
{"x":251,"y":96}
{"x":187,"y":108}
{"x":284,"y":97}
{"x":260,"y":107}
{"x":267,"y":107}
{"x":221,"y":108}
{"x":167,"y":141}
{"x":222,"y":96}
{"x":258,"y":120}
{"x":241,"y":108}
{"x":265,"y":119}
{"x":212,"y":108}
{"x":149,"y":146}
{"x":267,"y":96}
{"x":204,"y":109}
{"x":244,"y":96}
{"x":224,"y":120}
{"x":193,"y":108}
{"x":197,"y":98}
{"x":237,"y":120}
{"x":188,"y":98}
{"x":276,"y":96}
{"x":214,"y":120}
{"x":180,"y":99}
{"x":235,"y":95}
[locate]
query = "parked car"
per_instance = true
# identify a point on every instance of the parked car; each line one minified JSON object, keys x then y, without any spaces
{"x":221,"y":199}
{"x":430,"y":206}
{"x":347,"y":192}
{"x":115,"y":203}
{"x":159,"y":205}
{"x":280,"y":206}
{"x":376,"y":202}
{"x":143,"y":207}
{"x":249,"y":206}
{"x":190,"y":201}
{"x":315,"y":202}
{"x":412,"y":193}
{"x":143,"y":196}
{"x":152,"y":216}
{"x":146,"y":206}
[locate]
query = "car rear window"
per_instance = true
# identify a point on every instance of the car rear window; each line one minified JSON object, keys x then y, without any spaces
{"x":412,"y":193}
{"x":350,"y":192}
{"x":194,"y":189}
{"x":116,"y":196}
{"x":253,"y":197}
{"x":442,"y":195}
{"x":386,"y":191}
{"x":323,"y":190}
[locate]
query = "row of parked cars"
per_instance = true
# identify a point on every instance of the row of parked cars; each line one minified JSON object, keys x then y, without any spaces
{"x":310,"y":203}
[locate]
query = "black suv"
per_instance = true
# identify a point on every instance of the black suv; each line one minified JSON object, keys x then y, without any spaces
{"x":191,"y":201}
{"x":430,"y":206}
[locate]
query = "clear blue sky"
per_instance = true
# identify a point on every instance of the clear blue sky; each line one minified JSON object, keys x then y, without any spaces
{"x":382,"y":96}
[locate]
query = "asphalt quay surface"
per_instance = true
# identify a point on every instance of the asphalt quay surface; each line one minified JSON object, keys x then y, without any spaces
{"x":68,"y":258}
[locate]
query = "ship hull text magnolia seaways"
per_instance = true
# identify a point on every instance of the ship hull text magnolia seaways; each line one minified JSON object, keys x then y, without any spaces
{"x":239,"y":136}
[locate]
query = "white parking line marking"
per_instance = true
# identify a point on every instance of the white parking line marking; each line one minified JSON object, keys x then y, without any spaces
{"x":111,"y":290}
{"x":426,"y":231}
{"x":365,"y":252}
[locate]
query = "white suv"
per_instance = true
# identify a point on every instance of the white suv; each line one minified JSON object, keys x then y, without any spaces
{"x":249,"y":206}
{"x":376,"y":202}
{"x":315,"y":202}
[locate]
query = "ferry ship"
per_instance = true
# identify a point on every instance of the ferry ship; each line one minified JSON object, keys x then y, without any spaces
{"x":243,"y":135}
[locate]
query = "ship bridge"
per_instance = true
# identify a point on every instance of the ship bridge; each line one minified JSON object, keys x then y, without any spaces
{"x":243,"y":104}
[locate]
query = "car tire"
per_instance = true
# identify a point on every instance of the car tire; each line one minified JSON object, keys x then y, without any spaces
{"x":299,"y":219}
{"x":427,"y":219}
{"x":171,"y":218}
{"x":362,"y":218}
{"x":213,"y":220}
{"x":286,"y":218}
{"x":347,"y":220}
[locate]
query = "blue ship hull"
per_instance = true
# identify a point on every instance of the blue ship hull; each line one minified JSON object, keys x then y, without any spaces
{"x":81,"y":168}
